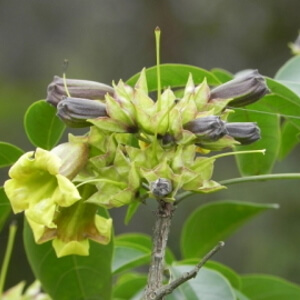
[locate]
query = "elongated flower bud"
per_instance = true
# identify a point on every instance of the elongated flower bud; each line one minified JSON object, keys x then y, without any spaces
{"x":245,"y":133}
{"x":244,"y":89}
{"x":209,"y":128}
{"x":76,"y":111}
{"x":73,"y":155}
{"x":77,"y":88}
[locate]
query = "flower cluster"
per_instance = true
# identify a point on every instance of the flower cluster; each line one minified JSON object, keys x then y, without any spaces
{"x":135,"y":146}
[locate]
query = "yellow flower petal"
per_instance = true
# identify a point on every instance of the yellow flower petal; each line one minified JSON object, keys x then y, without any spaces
{"x":42,"y":212}
{"x":71,"y":248}
{"x":17,"y":195}
{"x":66,"y":193}
{"x":37,"y":229}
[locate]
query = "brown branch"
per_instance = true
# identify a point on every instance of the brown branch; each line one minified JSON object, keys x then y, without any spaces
{"x":160,"y":237}
{"x":169,"y":288}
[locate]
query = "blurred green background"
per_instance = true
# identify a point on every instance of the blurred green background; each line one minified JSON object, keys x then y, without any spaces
{"x":106,"y":40}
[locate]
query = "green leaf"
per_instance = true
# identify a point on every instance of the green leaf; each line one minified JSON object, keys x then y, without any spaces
{"x":207,"y":285}
{"x":293,"y":86}
{"x":133,"y":250}
{"x":215,"y":222}
{"x":143,"y":240}
{"x":240,"y":296}
{"x":263,"y":287}
{"x":174,"y":76}
{"x":43,"y":128}
{"x":282,"y":101}
{"x":255,"y":164}
{"x":71,"y":277}
{"x":228,"y":273}
{"x":4,"y":208}
{"x":290,"y":71}
{"x":131,"y":210}
{"x":9,"y":154}
{"x":128,"y":256}
{"x":222,"y":75}
{"x":289,"y":139}
{"x":129,"y":285}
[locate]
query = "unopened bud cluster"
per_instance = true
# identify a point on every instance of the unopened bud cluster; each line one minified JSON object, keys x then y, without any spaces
{"x":134,"y":145}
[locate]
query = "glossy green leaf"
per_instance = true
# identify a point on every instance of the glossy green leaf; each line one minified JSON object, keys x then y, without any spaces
{"x":129,"y":286}
{"x":263,"y":287}
{"x":215,"y":222}
{"x":174,"y":76}
{"x":282,"y":101}
{"x":9,"y":154}
{"x":222,"y":75}
{"x":133,"y":250}
{"x":290,"y":71}
{"x":207,"y":285}
{"x":128,"y":256}
{"x":144,"y":241}
{"x":290,"y":137}
{"x":71,"y":277}
{"x":293,"y":86}
{"x":131,"y":210}
{"x":229,"y":274}
{"x":4,"y":208}
{"x":269,"y":124}
{"x":240,"y":295}
{"x":43,"y":128}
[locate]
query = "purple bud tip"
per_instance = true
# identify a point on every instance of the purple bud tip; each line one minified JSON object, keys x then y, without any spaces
{"x":245,"y":132}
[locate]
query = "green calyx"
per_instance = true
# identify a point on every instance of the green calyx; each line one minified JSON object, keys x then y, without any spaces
{"x":75,"y":225}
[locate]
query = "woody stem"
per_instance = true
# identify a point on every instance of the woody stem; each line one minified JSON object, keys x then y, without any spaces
{"x":161,"y":231}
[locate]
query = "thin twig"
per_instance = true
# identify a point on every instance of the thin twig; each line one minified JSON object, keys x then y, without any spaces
{"x":279,"y":176}
{"x":169,"y":288}
{"x":160,"y":238}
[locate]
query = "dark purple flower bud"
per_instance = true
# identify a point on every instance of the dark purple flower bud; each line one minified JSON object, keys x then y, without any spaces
{"x":245,"y":133}
{"x":168,"y":140}
{"x":245,"y":89}
{"x":77,"y":88}
{"x":76,"y":111}
{"x":161,"y":187}
{"x":209,"y":128}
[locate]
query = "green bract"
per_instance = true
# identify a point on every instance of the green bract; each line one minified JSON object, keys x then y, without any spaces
{"x":141,"y":140}
{"x":75,"y":225}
